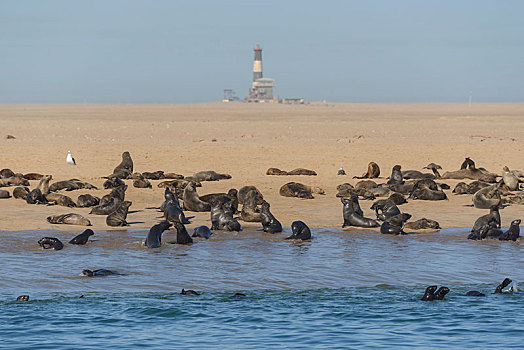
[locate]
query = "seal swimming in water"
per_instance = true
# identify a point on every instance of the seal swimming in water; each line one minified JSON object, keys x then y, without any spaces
{"x":182,"y":237}
{"x":87,"y":200}
{"x":20,"y":192}
{"x":191,"y":200}
{"x":119,"y":216}
{"x":395,"y":225}
{"x":504,"y":284}
{"x":300,"y":231}
{"x":351,"y":218}
{"x":189,"y":292}
{"x":269,"y":223}
{"x":50,"y":243}
{"x":202,"y":231}
{"x":384,"y":209}
{"x":23,"y":298}
{"x":487,"y":197}
{"x":430,"y":294}
{"x":396,"y":176}
{"x":125,"y":168}
{"x":70,"y":219}
{"x":512,"y":234}
{"x":154,"y":236}
{"x":98,"y":272}
{"x":82,"y":238}
{"x":372,"y":172}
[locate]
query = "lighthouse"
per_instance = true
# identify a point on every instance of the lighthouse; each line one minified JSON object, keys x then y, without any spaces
{"x":262,"y":88}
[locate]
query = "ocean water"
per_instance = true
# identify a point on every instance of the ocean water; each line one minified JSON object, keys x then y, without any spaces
{"x":343,"y":289}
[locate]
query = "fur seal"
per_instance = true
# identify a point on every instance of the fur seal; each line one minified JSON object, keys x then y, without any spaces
{"x":98,"y":272}
{"x":106,"y":209}
{"x":82,"y":238}
{"x":20,"y":192}
{"x":14,"y":181}
{"x":396,"y":176}
{"x":4,"y":194}
{"x":69,"y":219}
{"x":431,"y":295}
{"x":60,"y":199}
{"x":113,"y":182}
{"x":422,"y":224}
{"x":351,"y":218}
{"x":250,"y":211}
{"x":139,"y":181}
{"x":295,"y":189}
{"x":50,"y":243}
{"x":43,"y":185}
{"x":397,"y":198}
{"x":300,"y":231}
{"x":487,"y":197}
{"x":33,"y":176}
{"x":469,"y":171}
{"x":5,"y":173}
{"x":372,"y":172}
{"x":242,"y":194}
{"x":416,"y":175}
{"x":510,"y":180}
{"x":493,"y":219}
{"x":208,"y":175}
{"x":118,"y":217}
{"x":125,"y":168}
{"x":202,"y":231}
{"x":463,"y":188}
{"x":189,"y":292}
{"x":173,"y":176}
{"x":503,"y":285}
{"x":222,"y":215}
{"x":302,"y":171}
{"x":154,"y":175}
{"x":191,"y":200}
{"x":275,"y":171}
{"x":384,"y":209}
{"x":87,"y":200}
{"x":366,"y":184}
{"x":182,"y":237}
{"x":232,"y":194}
{"x":269,"y":223}
{"x":474,"y":293}
{"x":428,"y":190}
{"x":512,"y":234}
{"x":23,"y":298}
{"x":347,"y":190}
{"x":172,"y":210}
{"x":35,"y":197}
{"x":395,"y":225}
{"x":154,"y":236}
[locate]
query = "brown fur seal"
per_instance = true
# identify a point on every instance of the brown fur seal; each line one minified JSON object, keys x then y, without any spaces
{"x":492,"y":219}
{"x":275,"y":171}
{"x":302,"y":171}
{"x":43,"y":185}
{"x":397,"y":198}
{"x":117,"y":192}
{"x":250,"y":211}
{"x":510,"y":180}
{"x":4,"y":194}
{"x":154,"y":236}
{"x":191,"y":200}
{"x":118,"y":217}
{"x":352,"y":218}
{"x":208,"y":175}
{"x":396,"y":176}
{"x":14,"y":181}
{"x":463,"y":188}
{"x":269,"y":223}
{"x":182,"y":237}
{"x":222,"y":215}
{"x":384,"y":209}
{"x":232,"y":194}
{"x":5,"y":173}
{"x":189,"y":292}
{"x":202,"y":231}
{"x":173,"y":176}
{"x":296,"y":189}
{"x":69,"y":219}
{"x":300,"y":231}
{"x":125,"y":168}
{"x":512,"y":234}
{"x":87,"y":200}
{"x":35,"y":197}
{"x":50,"y":243}
{"x":139,"y":181}
{"x":71,"y":185}
{"x":33,"y":176}
{"x":487,"y":197}
{"x":60,"y":199}
{"x":395,"y":225}
{"x":366,"y":184}
{"x":20,"y":192}
{"x":469,"y":171}
{"x":113,"y":182}
{"x":242,"y":194}
{"x":112,"y":204}
{"x":422,"y":224}
{"x":372,"y":173}
{"x":154,"y":175}
{"x":82,"y":238}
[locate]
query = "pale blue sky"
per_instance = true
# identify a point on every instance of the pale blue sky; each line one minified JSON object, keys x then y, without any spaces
{"x":189,"y":51}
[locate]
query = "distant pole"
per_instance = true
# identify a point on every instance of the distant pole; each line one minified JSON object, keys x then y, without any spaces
{"x":470,"y":94}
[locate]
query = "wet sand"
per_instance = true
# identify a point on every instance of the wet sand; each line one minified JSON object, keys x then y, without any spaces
{"x":245,"y":140}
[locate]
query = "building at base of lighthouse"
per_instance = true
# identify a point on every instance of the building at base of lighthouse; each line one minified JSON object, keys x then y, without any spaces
{"x":262,"y":88}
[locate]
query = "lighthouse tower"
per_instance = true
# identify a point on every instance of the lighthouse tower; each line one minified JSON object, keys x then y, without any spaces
{"x":262,"y":88}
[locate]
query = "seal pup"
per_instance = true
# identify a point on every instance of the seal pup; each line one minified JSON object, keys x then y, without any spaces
{"x":242,"y":194}
{"x":423,"y":224}
{"x":300,"y":231}
{"x":372,"y":172}
{"x":384,"y":209}
{"x":430,"y":294}
{"x":23,"y":298}
{"x":395,"y":225}
{"x":35,"y":197}
{"x":351,"y":218}
{"x":82,"y":238}
{"x":191,"y":200}
{"x":189,"y":292}
{"x":125,"y":168}
{"x":182,"y":237}
{"x":98,"y":272}
{"x":70,"y":159}
{"x":396,"y":176}
{"x":139,"y":181}
{"x":202,"y":231}
{"x":20,"y":192}
{"x":4,"y":194}
{"x":154,"y":236}
{"x":487,"y":197}
{"x":69,"y":219}
{"x":269,"y":223}
{"x":50,"y":243}
{"x":119,"y":216}
{"x":87,"y":200}
{"x":512,"y":234}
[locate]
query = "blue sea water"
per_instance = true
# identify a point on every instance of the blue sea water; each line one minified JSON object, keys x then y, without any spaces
{"x":343,"y":289}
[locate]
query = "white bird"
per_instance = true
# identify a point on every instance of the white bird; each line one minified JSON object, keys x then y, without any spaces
{"x":70,"y":159}
{"x":341,"y":172}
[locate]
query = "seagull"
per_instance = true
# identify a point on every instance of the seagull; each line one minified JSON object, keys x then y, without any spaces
{"x":70,"y":159}
{"x":341,"y":172}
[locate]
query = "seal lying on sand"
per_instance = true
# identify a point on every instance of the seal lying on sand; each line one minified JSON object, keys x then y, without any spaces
{"x":4,"y":194}
{"x":469,"y":171}
{"x":87,"y":200}
{"x":269,"y":223}
{"x":139,"y":181}
{"x":14,"y":181}
{"x":119,"y":216}
{"x":82,"y":238}
{"x":463,"y":188}
{"x":347,"y":190}
{"x":60,"y":199}
{"x":300,"y":231}
{"x":70,"y":219}
{"x":154,"y":236}
{"x":372,"y":173}
{"x":298,"y":171}
{"x":351,"y":218}
{"x":20,"y":192}
{"x":125,"y":168}
{"x":202,"y":231}
{"x":154,"y":175}
{"x":191,"y":200}
{"x":113,"y":182}
{"x":422,"y":224}
{"x":487,"y":197}
{"x":208,"y":175}
{"x":430,"y":293}
{"x":5,"y":173}
{"x":50,"y":243}
{"x":71,"y":185}
{"x":295,"y":189}
{"x":395,"y":225}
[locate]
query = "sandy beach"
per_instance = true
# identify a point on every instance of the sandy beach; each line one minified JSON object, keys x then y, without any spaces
{"x":244,"y":140}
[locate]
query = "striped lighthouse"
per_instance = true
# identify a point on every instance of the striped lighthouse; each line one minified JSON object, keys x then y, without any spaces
{"x":257,"y":64}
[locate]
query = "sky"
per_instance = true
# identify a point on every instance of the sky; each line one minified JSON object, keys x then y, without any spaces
{"x":127,"y":51}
